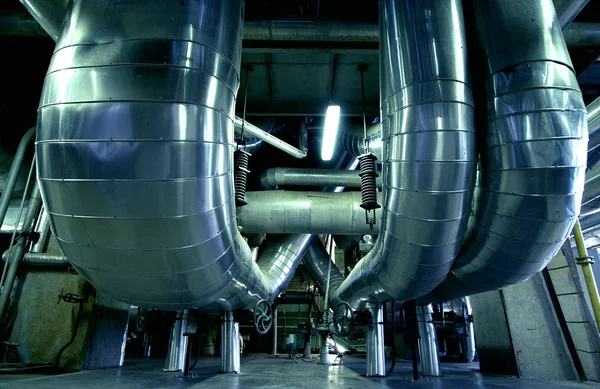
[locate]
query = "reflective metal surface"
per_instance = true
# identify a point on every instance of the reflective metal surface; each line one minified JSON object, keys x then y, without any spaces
{"x":590,"y":202}
{"x":50,"y":14}
{"x":532,"y":172}
{"x":135,"y":150}
{"x":428,"y":347}
{"x":178,"y":343}
{"x":230,"y":344}
{"x":567,"y":10}
{"x":296,"y":212}
{"x":375,"y":341}
{"x":593,"y":111}
{"x":13,"y":174}
{"x":428,"y":152}
{"x":274,"y":177}
{"x":317,"y":262}
{"x":270,"y":139}
{"x":354,"y":139}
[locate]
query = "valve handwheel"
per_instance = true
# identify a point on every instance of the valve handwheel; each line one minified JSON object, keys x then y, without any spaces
{"x":342,"y":318}
{"x":263,"y":317}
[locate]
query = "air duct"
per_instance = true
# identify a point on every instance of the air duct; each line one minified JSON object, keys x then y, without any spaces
{"x":428,"y":152}
{"x":135,"y":155}
{"x":532,"y":170}
{"x":289,"y":176}
{"x":354,"y":139}
{"x":317,"y":261}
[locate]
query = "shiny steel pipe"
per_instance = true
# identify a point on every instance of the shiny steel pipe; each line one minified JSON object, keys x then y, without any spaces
{"x":590,"y":202}
{"x":317,"y":262}
{"x":593,"y":114}
{"x":429,"y":154}
{"x":428,"y":347}
{"x":567,"y":10}
{"x":50,"y":14}
{"x":532,"y":173}
{"x":582,"y":35}
{"x":251,"y":129}
{"x":121,"y":158}
{"x":310,"y":31}
{"x":295,"y":212}
{"x":13,"y":174}
{"x":467,"y":314}
{"x":290,"y":176}
{"x":375,"y":341}
{"x":230,"y":344}
{"x":354,"y":139}
{"x":18,"y":250}
{"x":178,"y":343}
{"x":41,"y":259}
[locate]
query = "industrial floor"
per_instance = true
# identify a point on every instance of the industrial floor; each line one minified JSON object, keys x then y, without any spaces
{"x":275,"y":372}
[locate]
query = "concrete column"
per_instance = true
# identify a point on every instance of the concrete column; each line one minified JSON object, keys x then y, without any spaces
{"x":178,"y":343}
{"x":428,"y":347}
{"x":230,"y":344}
{"x":375,"y":345}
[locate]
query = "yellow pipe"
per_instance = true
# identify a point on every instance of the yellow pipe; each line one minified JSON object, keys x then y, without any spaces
{"x":586,"y":265}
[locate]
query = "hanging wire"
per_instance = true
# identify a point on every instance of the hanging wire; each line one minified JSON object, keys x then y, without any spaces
{"x":362,"y":69}
{"x":14,"y":234}
{"x":242,"y":141}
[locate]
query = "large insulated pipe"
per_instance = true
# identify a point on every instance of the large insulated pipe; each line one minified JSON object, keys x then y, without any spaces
{"x":318,"y":261}
{"x":289,"y":176}
{"x":136,"y":169}
{"x":533,"y":168}
{"x":354,"y":139}
{"x":429,"y":152}
{"x":49,"y":14}
{"x":297,"y":212}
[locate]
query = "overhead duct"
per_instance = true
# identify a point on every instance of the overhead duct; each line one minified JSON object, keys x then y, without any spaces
{"x":532,"y":172}
{"x":429,"y":152}
{"x":135,"y":155}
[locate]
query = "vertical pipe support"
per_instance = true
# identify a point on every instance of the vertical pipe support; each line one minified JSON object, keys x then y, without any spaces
{"x":178,"y":343}
{"x":230,"y":344}
{"x":324,"y":351}
{"x":375,"y":345}
{"x":275,"y":330}
{"x":585,"y":262}
{"x":428,"y":348}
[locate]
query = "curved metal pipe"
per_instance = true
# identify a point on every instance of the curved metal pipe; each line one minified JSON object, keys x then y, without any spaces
{"x":533,"y":170}
{"x":354,"y":139}
{"x":567,"y":10}
{"x":317,"y":262}
{"x":277,"y":176}
{"x":121,"y":159}
{"x":295,"y":212}
{"x":50,"y":14}
{"x":427,"y":127}
{"x":13,"y":174}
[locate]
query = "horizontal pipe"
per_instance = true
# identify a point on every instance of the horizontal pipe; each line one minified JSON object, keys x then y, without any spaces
{"x":311,"y":177}
{"x":296,"y":212}
{"x":253,"y":130}
{"x":41,"y":259}
{"x":582,"y":35}
{"x":567,"y":10}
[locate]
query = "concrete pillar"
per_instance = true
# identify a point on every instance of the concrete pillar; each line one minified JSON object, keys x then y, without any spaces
{"x":375,"y":345}
{"x":230,"y":344}
{"x":428,"y":347}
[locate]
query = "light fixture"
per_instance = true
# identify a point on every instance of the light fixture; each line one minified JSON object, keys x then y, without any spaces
{"x":332,"y":121}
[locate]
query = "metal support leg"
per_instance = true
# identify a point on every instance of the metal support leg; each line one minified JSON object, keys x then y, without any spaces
{"x":275,"y":331}
{"x":324,"y":352}
{"x":375,"y":345}
{"x":230,"y":344}
{"x":178,"y":343}
{"x":411,"y":323}
{"x":428,"y":348}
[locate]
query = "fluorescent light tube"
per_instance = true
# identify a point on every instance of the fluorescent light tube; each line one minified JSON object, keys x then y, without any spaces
{"x":332,"y":121}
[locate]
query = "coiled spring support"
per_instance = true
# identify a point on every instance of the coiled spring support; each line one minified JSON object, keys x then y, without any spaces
{"x":368,"y":186}
{"x":241,"y":160}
